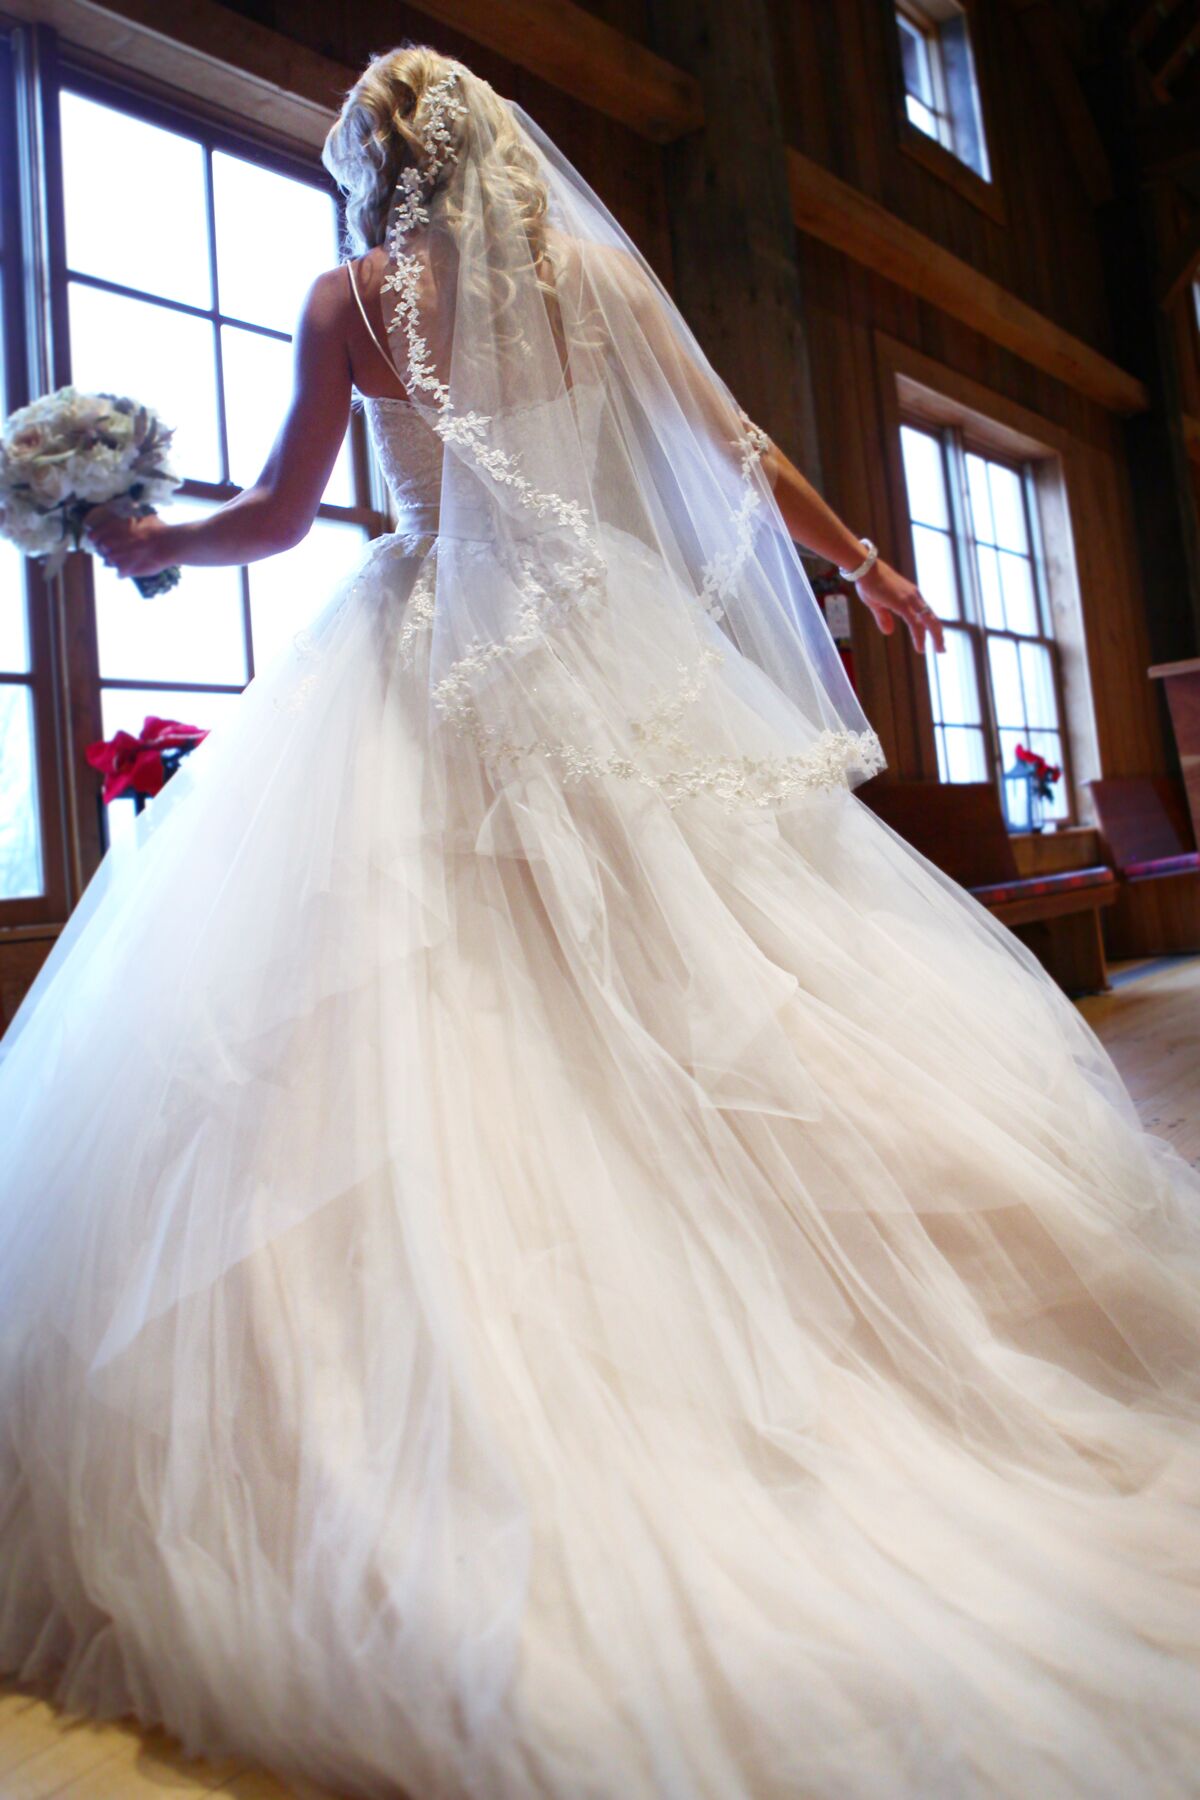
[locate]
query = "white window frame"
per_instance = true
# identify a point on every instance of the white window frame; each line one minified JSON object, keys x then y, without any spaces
{"x":954,"y":445}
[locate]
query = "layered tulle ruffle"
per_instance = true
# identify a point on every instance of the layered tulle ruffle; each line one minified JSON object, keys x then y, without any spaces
{"x":563,"y":1285}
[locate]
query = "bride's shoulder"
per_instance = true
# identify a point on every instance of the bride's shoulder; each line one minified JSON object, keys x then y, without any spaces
{"x":612,"y":264}
{"x":323,"y":308}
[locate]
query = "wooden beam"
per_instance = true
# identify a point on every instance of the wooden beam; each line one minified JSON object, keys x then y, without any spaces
{"x":1191,"y":436}
{"x":848,"y":220}
{"x":579,"y":53}
{"x":203,"y":48}
{"x":214,"y":57}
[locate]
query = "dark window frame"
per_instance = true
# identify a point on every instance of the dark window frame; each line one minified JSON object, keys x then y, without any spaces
{"x":25,"y":345}
{"x":62,"y":612}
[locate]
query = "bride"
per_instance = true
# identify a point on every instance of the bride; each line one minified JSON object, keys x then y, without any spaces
{"x":543,"y":1250}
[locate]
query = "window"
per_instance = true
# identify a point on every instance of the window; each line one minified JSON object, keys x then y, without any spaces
{"x":21,"y":872}
{"x":941,"y":95}
{"x":979,"y":564}
{"x":130,"y":260}
{"x":174,"y":301}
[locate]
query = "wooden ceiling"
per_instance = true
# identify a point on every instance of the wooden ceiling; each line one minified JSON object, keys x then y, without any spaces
{"x":1138,"y":63}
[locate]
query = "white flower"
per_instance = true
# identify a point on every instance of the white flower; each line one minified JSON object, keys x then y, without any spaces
{"x":50,"y":482}
{"x":68,"y":451}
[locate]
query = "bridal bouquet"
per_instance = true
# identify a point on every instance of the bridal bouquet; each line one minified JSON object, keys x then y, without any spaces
{"x":68,"y":452}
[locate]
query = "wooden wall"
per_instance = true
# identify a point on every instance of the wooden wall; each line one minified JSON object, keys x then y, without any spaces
{"x":837,"y":91}
{"x":1037,"y":233}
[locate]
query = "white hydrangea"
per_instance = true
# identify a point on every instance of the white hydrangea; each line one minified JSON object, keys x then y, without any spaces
{"x":69,"y":451}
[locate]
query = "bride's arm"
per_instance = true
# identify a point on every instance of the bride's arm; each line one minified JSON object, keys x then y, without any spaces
{"x":809,"y":519}
{"x":277,"y":511}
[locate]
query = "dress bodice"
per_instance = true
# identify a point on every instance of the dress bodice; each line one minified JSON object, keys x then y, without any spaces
{"x":410,"y":451}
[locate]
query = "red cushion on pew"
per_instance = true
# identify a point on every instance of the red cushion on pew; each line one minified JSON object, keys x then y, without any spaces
{"x":1187,"y":864}
{"x":995,"y":892}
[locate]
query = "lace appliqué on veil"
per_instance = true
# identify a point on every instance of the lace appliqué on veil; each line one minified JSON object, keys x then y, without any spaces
{"x":554,"y":588}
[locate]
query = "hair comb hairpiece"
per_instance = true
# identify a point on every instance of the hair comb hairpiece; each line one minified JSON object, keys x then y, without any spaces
{"x":440,"y":105}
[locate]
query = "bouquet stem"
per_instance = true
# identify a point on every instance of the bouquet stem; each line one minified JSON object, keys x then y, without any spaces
{"x":150,"y":585}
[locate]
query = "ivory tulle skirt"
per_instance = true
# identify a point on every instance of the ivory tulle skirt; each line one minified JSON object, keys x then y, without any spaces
{"x":547,"y":1292}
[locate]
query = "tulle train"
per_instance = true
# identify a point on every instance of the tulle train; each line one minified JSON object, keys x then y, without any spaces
{"x":527,"y":1289}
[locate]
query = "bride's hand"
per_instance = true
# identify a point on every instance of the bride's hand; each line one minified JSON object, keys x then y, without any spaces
{"x":890,"y":595}
{"x":130,"y":546}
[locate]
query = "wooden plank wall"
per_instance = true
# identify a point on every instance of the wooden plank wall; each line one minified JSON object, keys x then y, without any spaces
{"x":837,"y":95}
{"x":835,"y":66}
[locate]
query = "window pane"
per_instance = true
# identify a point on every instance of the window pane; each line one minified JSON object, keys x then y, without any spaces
{"x":921,"y":116}
{"x":953,"y":686}
{"x":1007,"y":697}
{"x":263,"y":289}
{"x":20,"y":846}
{"x":989,"y":587}
{"x":1041,"y":708}
{"x":135,"y":203}
{"x":14,"y":622}
{"x":924,"y":477}
{"x":193,"y":633}
{"x":935,"y":570}
{"x":966,"y":759}
{"x":981,"y":503}
{"x":126,"y":709}
{"x":1049,"y":745}
{"x":288,"y":591}
{"x":1020,"y":604}
{"x":258,"y":387}
{"x":914,"y":53}
{"x":162,"y":358}
{"x":258,"y":390}
{"x":1008,"y":513}
{"x":958,"y":71}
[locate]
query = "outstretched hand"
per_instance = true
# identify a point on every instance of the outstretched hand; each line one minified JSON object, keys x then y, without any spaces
{"x":890,"y":595}
{"x":130,"y":546}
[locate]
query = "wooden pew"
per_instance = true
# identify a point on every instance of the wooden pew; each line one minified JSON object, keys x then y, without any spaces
{"x":1147,"y":836}
{"x":960,"y":827}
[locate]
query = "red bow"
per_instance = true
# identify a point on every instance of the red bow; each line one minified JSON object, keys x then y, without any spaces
{"x":137,"y":762}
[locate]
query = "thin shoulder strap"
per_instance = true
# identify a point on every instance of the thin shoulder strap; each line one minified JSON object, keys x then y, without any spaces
{"x":366,"y":321}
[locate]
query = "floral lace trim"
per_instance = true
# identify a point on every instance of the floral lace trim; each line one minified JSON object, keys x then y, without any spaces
{"x":721,"y":572}
{"x":572,"y":582}
{"x":734,"y":781}
{"x":419,"y":612}
{"x":439,"y":104}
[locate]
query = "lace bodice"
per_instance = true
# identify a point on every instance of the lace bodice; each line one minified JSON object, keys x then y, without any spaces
{"x":410,"y":451}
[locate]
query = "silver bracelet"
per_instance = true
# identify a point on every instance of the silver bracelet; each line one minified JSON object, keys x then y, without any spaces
{"x":868,"y":562}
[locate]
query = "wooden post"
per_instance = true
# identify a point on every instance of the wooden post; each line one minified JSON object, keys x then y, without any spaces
{"x":733,"y":242}
{"x":1130,"y":228}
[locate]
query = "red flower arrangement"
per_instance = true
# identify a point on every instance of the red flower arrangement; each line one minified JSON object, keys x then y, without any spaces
{"x":1041,"y":774}
{"x":143,"y":763}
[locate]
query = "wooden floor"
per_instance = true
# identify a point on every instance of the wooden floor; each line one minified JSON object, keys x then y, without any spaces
{"x":1150,"y":1024}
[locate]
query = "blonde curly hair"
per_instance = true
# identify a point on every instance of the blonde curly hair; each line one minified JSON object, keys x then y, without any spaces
{"x":381,"y":130}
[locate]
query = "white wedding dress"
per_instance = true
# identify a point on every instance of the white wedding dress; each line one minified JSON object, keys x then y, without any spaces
{"x":564,"y":1294}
